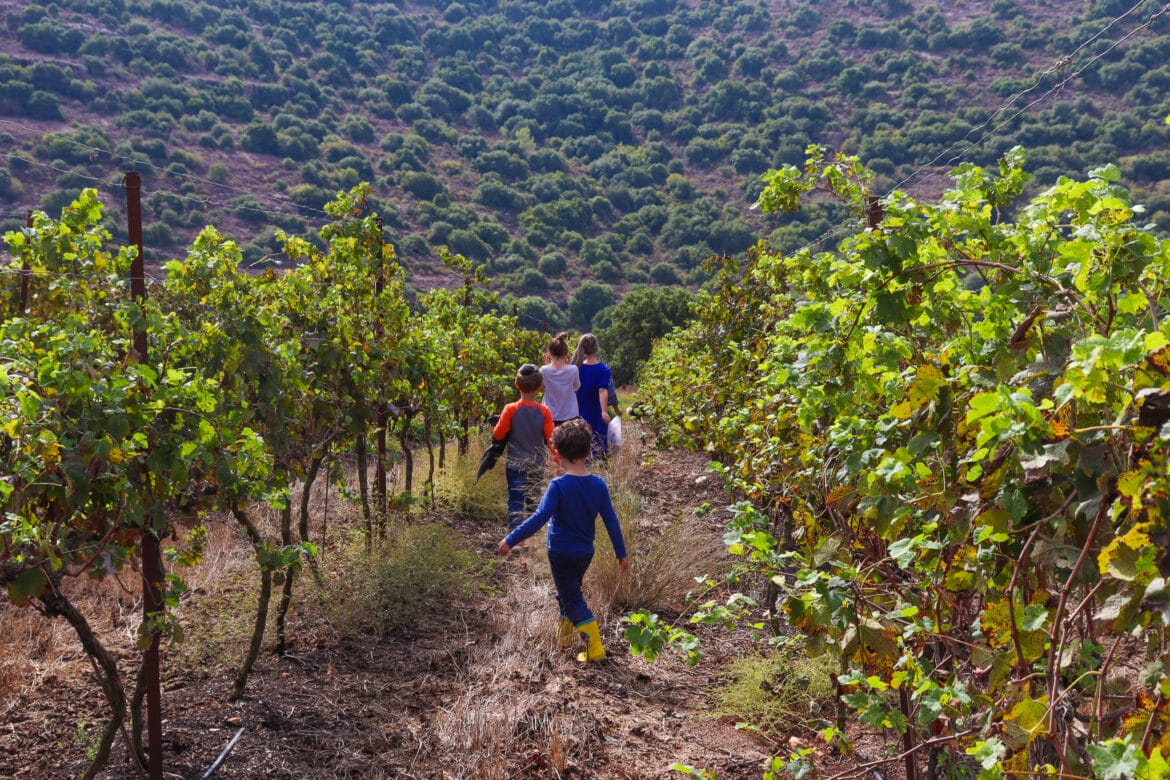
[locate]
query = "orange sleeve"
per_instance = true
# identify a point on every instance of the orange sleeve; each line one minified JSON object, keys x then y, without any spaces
{"x":504,"y":426}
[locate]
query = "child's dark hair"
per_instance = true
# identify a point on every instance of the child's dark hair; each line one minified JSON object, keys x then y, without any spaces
{"x":573,"y":439}
{"x":559,"y":346}
{"x":528,"y":378}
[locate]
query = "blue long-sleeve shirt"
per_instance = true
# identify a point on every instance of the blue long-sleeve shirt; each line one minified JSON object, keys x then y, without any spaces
{"x":570,"y":506}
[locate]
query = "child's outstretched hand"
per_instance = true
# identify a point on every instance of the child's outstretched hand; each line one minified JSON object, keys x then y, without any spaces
{"x":504,"y":549}
{"x":624,"y":563}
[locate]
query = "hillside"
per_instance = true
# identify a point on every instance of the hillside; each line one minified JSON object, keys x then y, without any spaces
{"x":556,"y":142}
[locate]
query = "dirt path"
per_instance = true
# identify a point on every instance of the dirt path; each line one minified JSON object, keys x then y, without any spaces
{"x":482,"y":692}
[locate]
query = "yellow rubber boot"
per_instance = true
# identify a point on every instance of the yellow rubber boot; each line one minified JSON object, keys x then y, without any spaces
{"x":565,"y":632}
{"x":593,"y":649}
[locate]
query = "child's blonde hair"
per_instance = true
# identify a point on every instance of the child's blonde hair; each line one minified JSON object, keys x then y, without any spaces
{"x":586,"y":345}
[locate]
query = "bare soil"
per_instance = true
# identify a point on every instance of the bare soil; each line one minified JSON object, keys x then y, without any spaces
{"x":483,"y":692}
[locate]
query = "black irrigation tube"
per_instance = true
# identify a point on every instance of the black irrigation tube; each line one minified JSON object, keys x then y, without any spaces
{"x":211,"y":770}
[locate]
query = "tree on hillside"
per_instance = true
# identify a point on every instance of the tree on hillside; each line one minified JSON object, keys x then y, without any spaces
{"x":643,"y":316}
{"x":589,"y":298}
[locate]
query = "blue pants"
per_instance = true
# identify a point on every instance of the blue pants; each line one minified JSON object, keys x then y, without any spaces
{"x":522,"y":496}
{"x":568,"y":572}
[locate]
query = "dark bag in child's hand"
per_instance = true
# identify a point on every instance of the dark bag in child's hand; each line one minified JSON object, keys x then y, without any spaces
{"x":490,"y":456}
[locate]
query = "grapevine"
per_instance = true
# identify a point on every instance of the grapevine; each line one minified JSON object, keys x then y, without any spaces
{"x":951,"y":432}
{"x":254,"y":382}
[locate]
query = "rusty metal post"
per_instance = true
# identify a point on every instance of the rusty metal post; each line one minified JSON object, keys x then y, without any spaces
{"x":873,"y":212}
{"x":383,"y":416}
{"x":908,"y":736}
{"x":151,"y":555}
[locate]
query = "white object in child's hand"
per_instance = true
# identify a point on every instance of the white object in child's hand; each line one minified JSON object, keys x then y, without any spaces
{"x":615,"y":432}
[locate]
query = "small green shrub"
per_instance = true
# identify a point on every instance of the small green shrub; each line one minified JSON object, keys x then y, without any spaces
{"x":218,"y":173}
{"x":457,"y":488}
{"x":777,"y":691}
{"x":406,"y":580}
{"x":552,"y":264}
{"x":218,"y":623}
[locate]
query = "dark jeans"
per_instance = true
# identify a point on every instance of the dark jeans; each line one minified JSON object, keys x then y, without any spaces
{"x":568,"y":572}
{"x":522,"y":498}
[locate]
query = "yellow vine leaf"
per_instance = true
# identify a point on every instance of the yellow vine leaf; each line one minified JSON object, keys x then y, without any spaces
{"x":924,"y":389}
{"x":1016,"y":765}
{"x":1025,"y":721}
{"x":1160,"y":359}
{"x":841,"y":496}
{"x":962,"y":575}
{"x":1130,"y":485}
{"x":1060,"y":424}
{"x":997,"y":628}
{"x":1120,"y":557}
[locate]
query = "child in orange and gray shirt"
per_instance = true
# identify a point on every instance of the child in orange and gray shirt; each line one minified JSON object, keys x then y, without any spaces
{"x":527,"y":427}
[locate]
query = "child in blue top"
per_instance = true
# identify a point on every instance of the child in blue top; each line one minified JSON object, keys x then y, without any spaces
{"x":593,"y":395}
{"x":570,"y":506}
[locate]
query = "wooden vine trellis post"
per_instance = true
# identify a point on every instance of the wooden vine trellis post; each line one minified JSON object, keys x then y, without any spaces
{"x":151,"y":553}
{"x":383,"y":417}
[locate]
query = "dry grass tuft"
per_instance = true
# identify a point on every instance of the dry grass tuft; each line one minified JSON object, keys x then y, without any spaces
{"x":402,"y":580}
{"x":663,"y":571}
{"x":668,"y":553}
{"x":221,"y":606}
{"x":526,"y":622}
{"x":777,"y":691}
{"x":493,"y":729}
{"x":492,"y":732}
{"x":226,"y":552}
{"x":32,"y":648}
{"x":457,"y":488}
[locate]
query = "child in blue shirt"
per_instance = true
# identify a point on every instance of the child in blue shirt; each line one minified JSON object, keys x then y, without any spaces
{"x":570,"y":506}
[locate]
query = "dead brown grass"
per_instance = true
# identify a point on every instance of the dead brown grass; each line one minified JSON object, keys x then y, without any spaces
{"x":215,"y":612}
{"x":484,"y":728}
{"x":667,"y":552}
{"x":487,"y":722}
{"x":218,"y":611}
{"x":34,"y":648}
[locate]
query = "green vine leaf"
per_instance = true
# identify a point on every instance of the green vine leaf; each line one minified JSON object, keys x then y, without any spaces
{"x":1114,"y":760}
{"x":28,"y":585}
